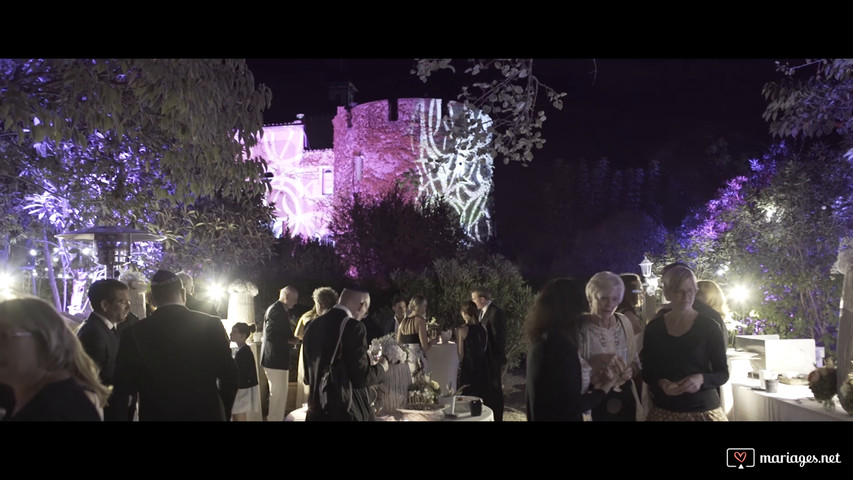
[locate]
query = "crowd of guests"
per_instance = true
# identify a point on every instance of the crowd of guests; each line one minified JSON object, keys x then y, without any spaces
{"x":591,"y":356}
{"x":481,"y":343}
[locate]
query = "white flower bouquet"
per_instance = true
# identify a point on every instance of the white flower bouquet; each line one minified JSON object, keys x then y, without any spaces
{"x":244,"y":287}
{"x":387,"y":345}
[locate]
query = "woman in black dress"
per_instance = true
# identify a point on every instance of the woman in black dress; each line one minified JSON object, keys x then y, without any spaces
{"x":471,"y":340}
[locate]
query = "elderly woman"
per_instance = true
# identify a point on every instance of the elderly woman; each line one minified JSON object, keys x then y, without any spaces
{"x":604,"y":334}
{"x":684,"y":356}
{"x":51,"y":376}
{"x":561,"y":385}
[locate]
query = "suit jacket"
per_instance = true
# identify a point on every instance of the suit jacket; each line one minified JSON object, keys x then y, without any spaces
{"x":278,"y":333}
{"x":102,"y":345}
{"x":317,"y":348}
{"x":130,"y":320}
{"x":378,"y":326}
{"x":202,"y":306}
{"x":495,"y":322}
{"x":175,"y":358}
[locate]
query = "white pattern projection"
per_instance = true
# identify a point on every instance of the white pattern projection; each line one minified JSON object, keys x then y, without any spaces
{"x":463,"y":175}
{"x":295,"y":189}
{"x":458,"y":170}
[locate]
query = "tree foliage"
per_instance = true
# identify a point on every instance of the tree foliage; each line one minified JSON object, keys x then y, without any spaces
{"x":778,"y":232}
{"x":508,"y":91}
{"x":814,"y":99}
{"x":448,"y":283}
{"x":156,"y":145}
{"x":605,"y":218}
{"x":189,"y":119}
{"x":214,"y":237}
{"x":375,"y":236}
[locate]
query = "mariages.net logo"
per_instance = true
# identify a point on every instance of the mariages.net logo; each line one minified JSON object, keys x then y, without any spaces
{"x":742,"y":458}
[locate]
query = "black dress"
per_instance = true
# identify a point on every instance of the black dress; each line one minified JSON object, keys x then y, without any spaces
{"x":474,"y":369}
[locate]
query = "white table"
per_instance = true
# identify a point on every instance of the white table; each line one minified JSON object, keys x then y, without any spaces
{"x":443,"y":361}
{"x":488,"y":415}
{"x":790,"y":403}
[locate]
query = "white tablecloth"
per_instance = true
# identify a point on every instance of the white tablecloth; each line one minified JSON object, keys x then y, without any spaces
{"x":443,"y":364}
{"x":789,"y":404}
{"x":487,"y":416}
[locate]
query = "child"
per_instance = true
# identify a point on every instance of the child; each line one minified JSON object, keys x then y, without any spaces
{"x":248,"y":396}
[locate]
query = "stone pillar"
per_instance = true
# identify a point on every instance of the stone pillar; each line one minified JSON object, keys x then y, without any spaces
{"x":241,"y":302}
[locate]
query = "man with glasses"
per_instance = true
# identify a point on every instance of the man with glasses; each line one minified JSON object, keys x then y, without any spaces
{"x":110,"y":300}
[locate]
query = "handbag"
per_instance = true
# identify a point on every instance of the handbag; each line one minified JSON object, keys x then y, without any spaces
{"x":335,"y":385}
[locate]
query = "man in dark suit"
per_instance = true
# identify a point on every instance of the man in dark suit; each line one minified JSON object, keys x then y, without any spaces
{"x":379,"y":326}
{"x":319,"y":343}
{"x":121,"y":328}
{"x":194,"y":303}
{"x":276,"y":350}
{"x":179,"y":360}
{"x":492,"y":317}
{"x":110,"y":300}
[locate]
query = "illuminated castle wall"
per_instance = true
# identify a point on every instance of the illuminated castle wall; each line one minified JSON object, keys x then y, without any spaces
{"x":372,"y":150}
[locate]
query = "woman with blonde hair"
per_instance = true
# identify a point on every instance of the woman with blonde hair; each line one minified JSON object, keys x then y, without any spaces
{"x":709,"y":292}
{"x":413,"y":334}
{"x":603,"y":334}
{"x":560,"y":385}
{"x":52,"y":377}
{"x":684,"y":356}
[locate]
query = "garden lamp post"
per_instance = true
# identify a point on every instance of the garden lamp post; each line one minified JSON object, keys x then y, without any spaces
{"x":650,"y":281}
{"x":112,"y":243}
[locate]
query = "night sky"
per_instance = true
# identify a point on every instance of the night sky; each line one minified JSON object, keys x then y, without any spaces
{"x":630,"y":108}
{"x":626,"y":113}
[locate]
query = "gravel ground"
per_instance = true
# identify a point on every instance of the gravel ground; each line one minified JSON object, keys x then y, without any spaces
{"x":514,"y":407}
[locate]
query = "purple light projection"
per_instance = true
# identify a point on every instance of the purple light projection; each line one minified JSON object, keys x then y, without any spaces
{"x":371,"y":153}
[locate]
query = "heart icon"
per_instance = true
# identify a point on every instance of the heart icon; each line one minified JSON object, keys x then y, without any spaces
{"x":740,"y":456}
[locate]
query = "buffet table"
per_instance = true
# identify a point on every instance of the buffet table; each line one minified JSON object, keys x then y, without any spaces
{"x":443,"y":361}
{"x":790,"y":403}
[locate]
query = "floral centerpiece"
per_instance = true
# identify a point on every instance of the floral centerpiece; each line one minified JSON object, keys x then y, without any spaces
{"x":845,"y":393}
{"x":423,"y":392}
{"x":823,"y":382}
{"x":389,"y":347}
